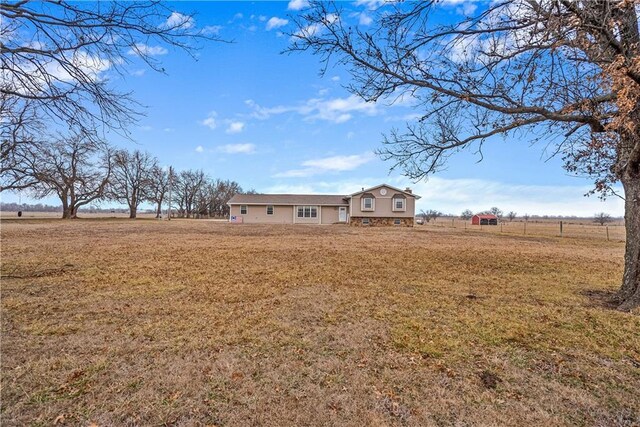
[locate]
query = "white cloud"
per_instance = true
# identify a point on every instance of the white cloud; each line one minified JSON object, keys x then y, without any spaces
{"x":335,"y":78}
{"x":297,"y":4}
{"x":210,"y":121}
{"x":212,"y":29}
{"x":237,"y":148}
{"x":178,"y":20}
{"x":455,"y":195}
{"x":275,"y":22}
{"x":146,"y":50}
{"x":313,"y":29}
{"x":336,"y":110}
{"x":199,"y":149}
{"x":235,"y":127}
{"x":327,"y":164}
{"x":364,"y":19}
{"x":372,"y":4}
{"x":138,"y":73}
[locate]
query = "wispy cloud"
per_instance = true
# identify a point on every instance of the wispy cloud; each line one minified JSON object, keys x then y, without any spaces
{"x":336,"y":110}
{"x":313,"y":29}
{"x":146,"y":50}
{"x":297,"y":4}
{"x":178,"y":20}
{"x":212,"y":30}
{"x":237,"y":148}
{"x":235,"y":127}
{"x":275,"y":22}
{"x":210,"y":121}
{"x":364,"y":19}
{"x":199,"y":149}
{"x":328,"y":164}
{"x":455,"y":195}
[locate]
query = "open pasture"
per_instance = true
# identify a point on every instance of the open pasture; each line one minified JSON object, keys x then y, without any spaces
{"x":146,"y":322}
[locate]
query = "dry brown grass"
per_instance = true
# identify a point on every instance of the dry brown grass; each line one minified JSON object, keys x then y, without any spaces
{"x":199,"y":323}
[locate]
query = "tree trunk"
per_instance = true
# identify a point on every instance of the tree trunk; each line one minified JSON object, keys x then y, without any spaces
{"x":133,"y":211}
{"x":629,"y":293}
{"x":159,"y":210}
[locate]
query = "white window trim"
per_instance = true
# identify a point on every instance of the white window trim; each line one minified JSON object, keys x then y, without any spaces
{"x":311,"y":208}
{"x":373,"y":204}
{"x":404,"y":204}
{"x":244,"y":208}
{"x":273,"y":209}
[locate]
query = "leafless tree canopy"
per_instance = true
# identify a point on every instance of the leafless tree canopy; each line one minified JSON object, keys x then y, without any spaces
{"x":539,"y":67}
{"x":74,"y":169}
{"x":56,"y":55}
{"x":132,"y":178}
{"x":564,"y":70}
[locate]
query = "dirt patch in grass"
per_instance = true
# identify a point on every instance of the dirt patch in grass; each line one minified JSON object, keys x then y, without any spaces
{"x":202,"y":323}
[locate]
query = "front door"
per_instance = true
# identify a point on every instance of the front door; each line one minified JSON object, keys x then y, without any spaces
{"x":342,"y":214}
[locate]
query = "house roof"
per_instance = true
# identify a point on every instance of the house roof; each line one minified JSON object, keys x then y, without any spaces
{"x":486,"y":216}
{"x":289,"y":199}
{"x":366,"y":190}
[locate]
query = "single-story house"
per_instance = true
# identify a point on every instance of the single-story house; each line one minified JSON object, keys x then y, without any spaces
{"x":484,"y":219}
{"x":379,"y":205}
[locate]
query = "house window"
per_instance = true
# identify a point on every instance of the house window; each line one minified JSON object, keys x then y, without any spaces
{"x":270,"y":210}
{"x":368,"y":203}
{"x":397,"y":221}
{"x":365,"y":221}
{"x":307,"y":211}
{"x":243,"y":209}
{"x":398,"y":204}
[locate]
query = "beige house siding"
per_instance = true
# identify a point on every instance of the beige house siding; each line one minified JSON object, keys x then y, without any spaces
{"x":330,"y":214}
{"x":258,"y":214}
{"x":383,"y":205}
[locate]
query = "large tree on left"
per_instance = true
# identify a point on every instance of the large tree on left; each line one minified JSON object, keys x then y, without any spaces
{"x":74,"y":169}
{"x":56,"y":60}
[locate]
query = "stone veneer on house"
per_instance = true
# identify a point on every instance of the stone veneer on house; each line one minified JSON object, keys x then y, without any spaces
{"x":386,"y":222}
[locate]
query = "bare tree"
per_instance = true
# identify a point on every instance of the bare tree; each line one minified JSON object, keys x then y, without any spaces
{"x":187,"y":191}
{"x":430,"y":214}
{"x":512,"y":215}
{"x":560,"y":69}
{"x":466,"y":214}
{"x":20,"y":133}
{"x":158,"y":187}
{"x":56,"y":60}
{"x":55,"y":54}
{"x":131,"y":178}
{"x":74,"y":169}
{"x":602,"y":218}
{"x":495,"y":211}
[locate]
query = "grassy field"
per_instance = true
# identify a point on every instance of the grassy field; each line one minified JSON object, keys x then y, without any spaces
{"x":118,"y":322}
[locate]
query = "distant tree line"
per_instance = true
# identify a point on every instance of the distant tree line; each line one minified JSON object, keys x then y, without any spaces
{"x":82,"y":171}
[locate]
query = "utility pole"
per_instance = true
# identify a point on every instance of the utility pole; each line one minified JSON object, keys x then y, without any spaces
{"x":170,"y":185}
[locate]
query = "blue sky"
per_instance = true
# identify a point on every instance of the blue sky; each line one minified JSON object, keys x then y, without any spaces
{"x":246,"y":112}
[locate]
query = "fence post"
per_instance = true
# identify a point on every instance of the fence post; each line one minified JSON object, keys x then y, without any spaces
{"x":607,"y":233}
{"x":525,"y":227}
{"x":560,"y":228}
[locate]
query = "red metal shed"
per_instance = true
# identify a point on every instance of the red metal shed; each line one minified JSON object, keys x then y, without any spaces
{"x":484,"y":219}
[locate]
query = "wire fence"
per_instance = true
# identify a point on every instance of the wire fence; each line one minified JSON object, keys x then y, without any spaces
{"x":579,"y":229}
